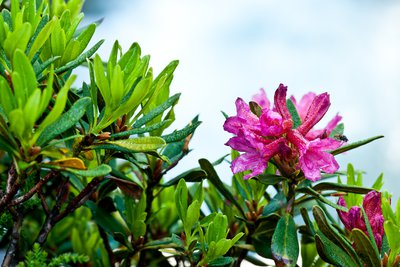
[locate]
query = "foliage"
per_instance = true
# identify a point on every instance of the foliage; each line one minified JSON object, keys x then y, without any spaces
{"x":84,"y":167}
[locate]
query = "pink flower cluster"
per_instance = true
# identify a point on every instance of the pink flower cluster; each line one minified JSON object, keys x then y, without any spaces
{"x":354,"y":218}
{"x":272,"y":135}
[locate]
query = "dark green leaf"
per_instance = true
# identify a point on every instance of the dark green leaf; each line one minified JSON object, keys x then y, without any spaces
{"x":365,"y":249}
{"x":65,"y":121}
{"x":293,"y":111}
{"x":342,"y":188}
{"x":181,"y":134}
{"x":331,"y":253}
{"x":331,"y":233}
{"x":156,"y":111}
{"x":318,"y":196}
{"x":285,"y":246}
{"x":221,"y":261}
{"x":212,"y":176}
{"x":262,"y":236}
{"x":194,"y":175}
{"x":370,"y":233}
{"x":276,"y":203}
{"x":355,"y":145}
{"x":255,"y":108}
{"x":141,"y":130}
{"x":106,"y":220}
{"x":269,"y":179}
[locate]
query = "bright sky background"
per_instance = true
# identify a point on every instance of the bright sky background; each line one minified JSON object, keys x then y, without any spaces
{"x":227,"y":49}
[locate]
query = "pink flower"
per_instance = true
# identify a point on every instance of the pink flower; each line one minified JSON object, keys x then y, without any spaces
{"x":271,"y":135}
{"x":354,"y":218}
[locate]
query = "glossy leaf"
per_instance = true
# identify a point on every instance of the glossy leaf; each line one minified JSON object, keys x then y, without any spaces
{"x":293,"y":112}
{"x":213,"y":177}
{"x":156,"y":111}
{"x":74,"y":163}
{"x":354,"y":145}
{"x":64,"y":122}
{"x":331,"y":253}
{"x":98,"y":171}
{"x":139,"y":144}
{"x":285,"y":246}
{"x":341,"y":188}
{"x":364,"y":248}
{"x":181,"y":134}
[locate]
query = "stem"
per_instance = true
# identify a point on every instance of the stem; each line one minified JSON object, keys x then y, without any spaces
{"x":111,"y":256}
{"x":11,"y":189}
{"x":244,"y":252}
{"x":15,"y":235}
{"x":34,"y":189}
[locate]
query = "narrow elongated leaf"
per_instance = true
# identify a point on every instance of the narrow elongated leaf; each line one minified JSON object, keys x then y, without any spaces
{"x":64,"y":122}
{"x":194,"y":175}
{"x":293,"y":112}
{"x":41,"y":35}
{"x":74,"y":163}
{"x":285,"y":246}
{"x":181,"y":134}
{"x":212,"y":176}
{"x":17,"y":39}
{"x":23,"y":66}
{"x":221,"y":261}
{"x":364,"y":248}
{"x":140,"y":144}
{"x":99,"y":171}
{"x":341,"y":188}
{"x":331,"y":253}
{"x":79,"y":60}
{"x":355,"y":145}
{"x":331,"y":233}
{"x":156,"y":111}
{"x":141,"y":130}
{"x":269,"y":179}
{"x":318,"y":196}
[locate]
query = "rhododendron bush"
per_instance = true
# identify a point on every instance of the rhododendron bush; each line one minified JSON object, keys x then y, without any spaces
{"x":85,"y":168}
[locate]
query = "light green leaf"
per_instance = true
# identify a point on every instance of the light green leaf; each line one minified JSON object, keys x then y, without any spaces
{"x":139,"y":144}
{"x":42,"y":37}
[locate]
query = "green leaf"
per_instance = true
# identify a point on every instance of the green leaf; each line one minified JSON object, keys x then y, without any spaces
{"x":41,"y":37}
{"x":342,"y":188}
{"x":156,"y":111}
{"x":276,"y":203}
{"x":378,"y":183}
{"x":331,"y":233}
{"x":221,"y":261}
{"x":64,"y":122}
{"x":106,"y":220}
{"x":354,"y":145}
{"x":212,"y":176}
{"x":181,"y":134}
{"x":192,"y":216}
{"x":318,"y":196}
{"x":262,"y":236}
{"x":79,"y":60}
{"x":141,"y":130}
{"x":99,"y":171}
{"x":331,"y":253}
{"x":194,"y":175}
{"x":285,"y":246}
{"x":364,"y":248}
{"x":269,"y":179}
{"x":139,"y":144}
{"x":338,"y":130}
{"x":293,"y":112}
{"x":181,"y":199}
{"x":59,"y":105}
{"x":17,"y":39}
{"x":23,"y":67}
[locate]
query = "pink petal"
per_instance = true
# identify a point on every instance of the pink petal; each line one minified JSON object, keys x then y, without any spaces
{"x":304,"y":104}
{"x":249,"y":161}
{"x":316,"y":111}
{"x":262,"y":100}
{"x":271,"y":123}
{"x":280,"y":102}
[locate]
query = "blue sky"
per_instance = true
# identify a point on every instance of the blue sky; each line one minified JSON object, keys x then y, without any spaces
{"x":229,"y":49}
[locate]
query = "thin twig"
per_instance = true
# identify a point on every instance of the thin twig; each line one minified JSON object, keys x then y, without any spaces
{"x":15,"y":235}
{"x":34,"y":189}
{"x":11,"y":189}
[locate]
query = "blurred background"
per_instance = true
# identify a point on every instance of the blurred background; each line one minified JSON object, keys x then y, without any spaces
{"x":229,"y":49}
